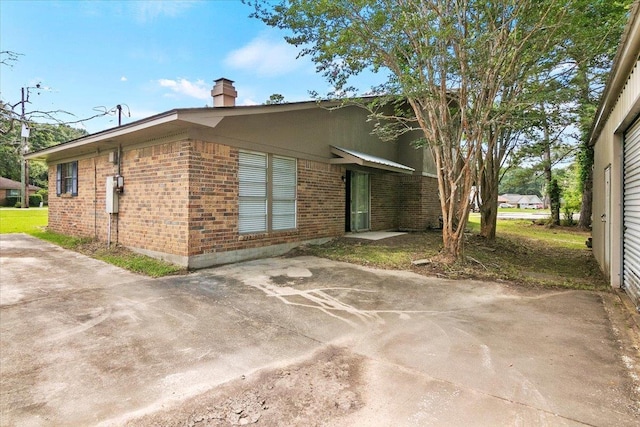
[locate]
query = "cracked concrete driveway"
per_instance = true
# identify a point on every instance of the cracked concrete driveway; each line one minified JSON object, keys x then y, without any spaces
{"x":86,"y":343}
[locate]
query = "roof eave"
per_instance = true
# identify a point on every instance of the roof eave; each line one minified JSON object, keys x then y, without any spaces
{"x":108,"y":134}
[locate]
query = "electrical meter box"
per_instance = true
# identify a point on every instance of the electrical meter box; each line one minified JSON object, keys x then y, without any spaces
{"x":111,"y":196}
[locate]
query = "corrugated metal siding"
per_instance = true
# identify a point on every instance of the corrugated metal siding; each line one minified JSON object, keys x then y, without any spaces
{"x":608,"y":152}
{"x":631,"y":213}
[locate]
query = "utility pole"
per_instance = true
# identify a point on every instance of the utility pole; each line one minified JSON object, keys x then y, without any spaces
{"x":24,"y":148}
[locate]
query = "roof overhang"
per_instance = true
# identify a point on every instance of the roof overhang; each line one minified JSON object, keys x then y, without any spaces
{"x":362,"y":159}
{"x":173,"y":122}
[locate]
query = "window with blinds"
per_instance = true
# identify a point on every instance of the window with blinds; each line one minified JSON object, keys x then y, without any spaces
{"x":267,"y":192}
{"x":67,"y":178}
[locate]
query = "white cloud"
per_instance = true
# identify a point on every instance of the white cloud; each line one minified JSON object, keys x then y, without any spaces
{"x":123,"y":79}
{"x":265,"y":56}
{"x":198,"y":89}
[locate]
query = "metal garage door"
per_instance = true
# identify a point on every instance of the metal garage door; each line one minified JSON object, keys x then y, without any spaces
{"x":631,"y":213}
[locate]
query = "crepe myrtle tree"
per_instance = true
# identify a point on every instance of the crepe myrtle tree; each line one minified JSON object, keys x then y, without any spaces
{"x":448,"y":60}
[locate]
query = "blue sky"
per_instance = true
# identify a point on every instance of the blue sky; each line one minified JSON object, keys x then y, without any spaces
{"x":151,"y":56}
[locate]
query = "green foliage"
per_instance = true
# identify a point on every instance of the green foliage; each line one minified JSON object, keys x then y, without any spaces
{"x":44,"y":193}
{"x":43,"y":135}
{"x":35,"y":199}
{"x":9,"y":159}
{"x":569,"y":181}
{"x":38,"y":173}
{"x":520,"y":180}
{"x":275,"y":98}
{"x":461,"y":68}
{"x":593,"y":35}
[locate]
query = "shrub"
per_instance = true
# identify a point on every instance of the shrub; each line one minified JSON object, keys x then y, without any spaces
{"x":44,"y":193}
{"x":34,"y":200}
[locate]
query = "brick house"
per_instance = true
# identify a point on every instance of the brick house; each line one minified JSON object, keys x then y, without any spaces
{"x":11,"y":189}
{"x":208,"y":186}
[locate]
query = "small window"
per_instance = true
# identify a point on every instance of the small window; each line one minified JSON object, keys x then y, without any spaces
{"x":67,"y":178}
{"x":267,"y":193}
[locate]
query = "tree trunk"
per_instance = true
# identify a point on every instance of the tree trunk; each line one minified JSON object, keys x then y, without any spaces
{"x":452,"y":246}
{"x":455,"y":203}
{"x":546,"y":153}
{"x":489,"y":193}
{"x":586,"y":160}
{"x":587,"y":200}
{"x":489,"y":212}
{"x":554,"y":194}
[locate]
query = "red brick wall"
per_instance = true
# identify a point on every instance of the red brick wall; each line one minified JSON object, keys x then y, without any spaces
{"x":213,"y":202}
{"x":213,"y":198}
{"x":181,"y":197}
{"x":82,"y":215}
{"x":384,"y":201}
{"x":321,"y":199}
{"x":214,"y":206}
{"x":153,"y":212}
{"x":419,"y":202}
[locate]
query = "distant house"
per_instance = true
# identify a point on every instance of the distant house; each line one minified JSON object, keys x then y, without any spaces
{"x":529,"y":201}
{"x":207,"y":186}
{"x":615,"y":137}
{"x":10,"y":189}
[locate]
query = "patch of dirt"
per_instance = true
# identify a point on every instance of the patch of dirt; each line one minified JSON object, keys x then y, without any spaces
{"x":93,"y":247}
{"x":311,"y":393}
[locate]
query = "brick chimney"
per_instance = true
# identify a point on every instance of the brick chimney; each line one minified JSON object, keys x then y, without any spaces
{"x":224,"y":93}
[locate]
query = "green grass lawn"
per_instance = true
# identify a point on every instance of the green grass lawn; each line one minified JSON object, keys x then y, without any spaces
{"x":33,"y":221}
{"x":565,"y":237}
{"x":28,"y":221}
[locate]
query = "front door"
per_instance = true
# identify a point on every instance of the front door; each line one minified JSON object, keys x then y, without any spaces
{"x":360,"y":201}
